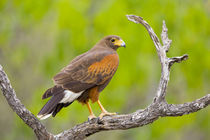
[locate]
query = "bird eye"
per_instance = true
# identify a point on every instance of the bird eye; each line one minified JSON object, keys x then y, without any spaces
{"x":112,"y":40}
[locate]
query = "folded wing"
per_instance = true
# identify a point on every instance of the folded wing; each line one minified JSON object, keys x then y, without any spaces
{"x":90,"y":70}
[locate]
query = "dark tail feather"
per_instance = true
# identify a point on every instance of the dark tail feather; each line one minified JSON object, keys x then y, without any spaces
{"x":59,"y":107}
{"x":52,"y":91}
{"x":53,"y":106}
{"x":50,"y":106}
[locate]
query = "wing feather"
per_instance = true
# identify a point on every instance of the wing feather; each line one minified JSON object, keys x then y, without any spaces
{"x":88,"y":70}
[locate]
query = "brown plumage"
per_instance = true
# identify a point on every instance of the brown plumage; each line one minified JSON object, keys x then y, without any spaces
{"x":84,"y":78}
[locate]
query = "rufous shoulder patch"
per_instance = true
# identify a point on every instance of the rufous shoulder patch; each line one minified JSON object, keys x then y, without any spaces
{"x":106,"y":67}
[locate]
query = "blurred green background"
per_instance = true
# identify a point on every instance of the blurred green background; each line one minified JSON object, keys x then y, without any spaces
{"x":39,"y":37}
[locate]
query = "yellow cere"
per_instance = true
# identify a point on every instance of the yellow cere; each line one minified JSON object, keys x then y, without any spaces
{"x":118,"y":42}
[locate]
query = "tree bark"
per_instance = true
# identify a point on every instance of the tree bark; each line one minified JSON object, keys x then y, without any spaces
{"x":158,"y":108}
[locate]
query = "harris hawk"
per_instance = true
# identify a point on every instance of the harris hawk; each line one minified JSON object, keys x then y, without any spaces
{"x":84,"y":78}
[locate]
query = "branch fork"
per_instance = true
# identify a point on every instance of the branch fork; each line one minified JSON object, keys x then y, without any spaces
{"x":162,"y":49}
{"x":158,"y":108}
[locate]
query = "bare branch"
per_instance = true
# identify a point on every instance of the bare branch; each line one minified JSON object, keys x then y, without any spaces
{"x":164,"y":36}
{"x":166,"y":63}
{"x":10,"y":95}
{"x":177,"y":59}
{"x":136,"y":119}
{"x":186,"y":108}
{"x":158,"y":108}
{"x":137,"y":19}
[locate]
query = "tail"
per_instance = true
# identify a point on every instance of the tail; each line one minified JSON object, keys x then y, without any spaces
{"x":60,"y":98}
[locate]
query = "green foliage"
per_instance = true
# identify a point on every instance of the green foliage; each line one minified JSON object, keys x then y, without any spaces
{"x":39,"y":37}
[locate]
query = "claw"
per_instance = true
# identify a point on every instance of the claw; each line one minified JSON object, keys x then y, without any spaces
{"x":106,"y":114}
{"x":90,"y":117}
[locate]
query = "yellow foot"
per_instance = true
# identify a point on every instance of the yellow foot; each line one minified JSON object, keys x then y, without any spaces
{"x":106,"y":114}
{"x":90,"y":117}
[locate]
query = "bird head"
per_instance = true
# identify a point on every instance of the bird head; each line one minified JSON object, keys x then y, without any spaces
{"x":114,"y":42}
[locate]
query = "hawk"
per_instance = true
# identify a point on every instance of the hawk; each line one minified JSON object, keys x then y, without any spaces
{"x":84,"y":78}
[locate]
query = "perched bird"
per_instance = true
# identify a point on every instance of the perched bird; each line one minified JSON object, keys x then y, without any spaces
{"x":84,"y":78}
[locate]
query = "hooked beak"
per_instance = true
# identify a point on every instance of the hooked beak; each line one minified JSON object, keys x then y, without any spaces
{"x":123,"y":44}
{"x":120,"y":43}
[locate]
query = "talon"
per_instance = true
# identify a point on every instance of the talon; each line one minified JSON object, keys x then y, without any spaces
{"x":90,"y":117}
{"x":106,"y":114}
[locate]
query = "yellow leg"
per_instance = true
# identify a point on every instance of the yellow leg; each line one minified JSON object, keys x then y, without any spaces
{"x":103,"y":111}
{"x":91,"y":116}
